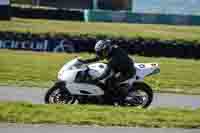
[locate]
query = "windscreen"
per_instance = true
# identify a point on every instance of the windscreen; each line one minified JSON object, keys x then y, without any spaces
{"x":72,"y":64}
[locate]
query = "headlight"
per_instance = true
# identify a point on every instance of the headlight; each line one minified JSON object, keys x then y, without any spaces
{"x":60,"y":74}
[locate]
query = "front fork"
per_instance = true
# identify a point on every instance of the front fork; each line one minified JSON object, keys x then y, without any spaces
{"x":62,"y":85}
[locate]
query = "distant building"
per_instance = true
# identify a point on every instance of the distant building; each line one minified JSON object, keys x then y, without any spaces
{"x":88,"y":4}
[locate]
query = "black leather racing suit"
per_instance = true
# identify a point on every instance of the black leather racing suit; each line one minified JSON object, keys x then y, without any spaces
{"x":119,"y":63}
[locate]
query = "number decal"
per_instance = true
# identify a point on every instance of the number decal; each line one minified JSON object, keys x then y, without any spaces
{"x":142,"y":66}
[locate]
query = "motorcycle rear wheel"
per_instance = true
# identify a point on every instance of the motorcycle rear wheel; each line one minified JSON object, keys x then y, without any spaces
{"x":140,"y":96}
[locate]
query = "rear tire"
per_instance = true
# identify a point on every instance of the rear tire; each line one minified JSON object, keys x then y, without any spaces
{"x":142,"y":87}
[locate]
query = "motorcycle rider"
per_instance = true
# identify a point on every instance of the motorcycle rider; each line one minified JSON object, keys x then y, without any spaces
{"x":120,"y":65}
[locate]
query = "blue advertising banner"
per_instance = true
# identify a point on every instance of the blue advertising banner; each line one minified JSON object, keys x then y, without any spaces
{"x":39,"y":45}
{"x":36,"y":43}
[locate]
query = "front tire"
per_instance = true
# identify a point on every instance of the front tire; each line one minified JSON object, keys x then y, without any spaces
{"x":58,"y":95}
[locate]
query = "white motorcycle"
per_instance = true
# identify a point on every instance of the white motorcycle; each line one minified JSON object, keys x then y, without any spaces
{"x":76,"y":84}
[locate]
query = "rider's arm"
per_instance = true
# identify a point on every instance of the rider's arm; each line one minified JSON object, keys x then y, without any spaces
{"x":95,"y":59}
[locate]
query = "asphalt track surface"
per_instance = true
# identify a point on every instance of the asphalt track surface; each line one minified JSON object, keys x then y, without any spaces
{"x":36,"y":96}
{"x":16,"y":128}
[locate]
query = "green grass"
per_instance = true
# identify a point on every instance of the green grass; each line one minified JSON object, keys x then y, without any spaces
{"x":21,"y":2}
{"x":99,"y":115}
{"x":163,"y":32}
{"x":40,"y":70}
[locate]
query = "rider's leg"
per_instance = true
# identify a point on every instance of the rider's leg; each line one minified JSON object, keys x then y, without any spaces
{"x":110,"y":84}
{"x":123,"y":77}
{"x":112,"y":88}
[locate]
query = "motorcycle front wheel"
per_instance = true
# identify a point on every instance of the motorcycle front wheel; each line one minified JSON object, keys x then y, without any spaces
{"x":58,"y":95}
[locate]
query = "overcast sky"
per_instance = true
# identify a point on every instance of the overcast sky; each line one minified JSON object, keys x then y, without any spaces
{"x":168,"y":6}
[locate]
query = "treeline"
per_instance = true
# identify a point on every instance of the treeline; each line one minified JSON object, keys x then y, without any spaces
{"x":47,"y":13}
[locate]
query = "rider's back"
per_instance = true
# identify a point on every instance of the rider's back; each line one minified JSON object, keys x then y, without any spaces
{"x":119,"y":60}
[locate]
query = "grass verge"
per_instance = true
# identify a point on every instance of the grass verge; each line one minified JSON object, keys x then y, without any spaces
{"x":40,"y":70}
{"x":99,"y":115}
{"x":162,"y":32}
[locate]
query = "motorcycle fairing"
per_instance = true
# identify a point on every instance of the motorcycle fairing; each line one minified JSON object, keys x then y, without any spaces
{"x":84,"y":89}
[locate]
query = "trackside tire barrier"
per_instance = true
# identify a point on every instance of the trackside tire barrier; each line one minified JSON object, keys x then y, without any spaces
{"x":85,"y":43}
